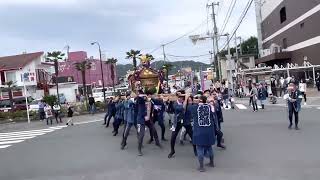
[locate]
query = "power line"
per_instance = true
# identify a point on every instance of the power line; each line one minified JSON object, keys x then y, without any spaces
{"x":226,"y":20}
{"x":243,"y":15}
{"x":180,"y":37}
{"x":229,"y":8}
{"x":196,"y":56}
{"x":184,"y":35}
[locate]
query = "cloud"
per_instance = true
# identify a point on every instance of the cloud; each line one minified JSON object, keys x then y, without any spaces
{"x":37,"y":2}
{"x":119,"y":26}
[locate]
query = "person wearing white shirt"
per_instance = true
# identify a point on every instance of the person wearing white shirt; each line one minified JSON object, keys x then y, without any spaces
{"x":282,"y":86}
{"x":303,"y":90}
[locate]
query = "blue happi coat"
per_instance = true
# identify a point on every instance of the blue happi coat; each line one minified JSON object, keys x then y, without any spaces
{"x":129,"y":111}
{"x":296,"y":106}
{"x":159,"y":109}
{"x":178,"y":112}
{"x":218,"y":111}
{"x":119,"y":110}
{"x":141,"y":110}
{"x":204,"y":122}
{"x":187,"y":116}
{"x":262,"y":93}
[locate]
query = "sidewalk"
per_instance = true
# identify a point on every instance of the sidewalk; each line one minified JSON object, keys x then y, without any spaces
{"x":9,"y":127}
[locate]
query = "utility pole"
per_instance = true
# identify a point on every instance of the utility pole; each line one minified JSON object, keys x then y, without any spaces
{"x":215,"y":38}
{"x":164,"y":53}
{"x":167,"y":70}
{"x":236,"y":45}
{"x":259,"y":4}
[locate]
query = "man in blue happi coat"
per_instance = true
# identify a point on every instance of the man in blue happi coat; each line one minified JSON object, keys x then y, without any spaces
{"x":203,"y":131}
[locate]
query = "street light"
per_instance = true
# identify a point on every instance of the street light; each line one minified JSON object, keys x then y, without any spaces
{"x":196,"y":38}
{"x":102,"y":77}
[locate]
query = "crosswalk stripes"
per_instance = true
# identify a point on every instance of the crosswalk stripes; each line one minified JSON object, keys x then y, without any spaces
{"x":241,"y":106}
{"x":10,"y":138}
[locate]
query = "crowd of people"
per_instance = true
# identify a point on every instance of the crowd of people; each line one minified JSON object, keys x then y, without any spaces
{"x":198,"y":116}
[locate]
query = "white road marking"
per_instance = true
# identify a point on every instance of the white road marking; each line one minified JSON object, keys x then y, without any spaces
{"x":17,"y":138}
{"x":241,"y":106}
{"x":4,"y":146}
{"x":22,"y":135}
{"x":11,"y":142}
{"x":58,"y":127}
{"x":27,"y":132}
{"x":9,"y":138}
{"x":86,"y":122}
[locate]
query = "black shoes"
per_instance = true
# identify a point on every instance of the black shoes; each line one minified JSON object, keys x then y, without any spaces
{"x":164,"y":139}
{"x":201,"y":168}
{"x":181,"y":143}
{"x":211,"y":163}
{"x":221,"y":146}
{"x":123,"y":145}
{"x":115,"y":133}
{"x":296,"y":127}
{"x":171,"y":155}
{"x":159,"y":145}
{"x":150,"y":141}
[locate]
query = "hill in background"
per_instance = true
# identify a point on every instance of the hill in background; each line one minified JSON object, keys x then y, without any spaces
{"x":123,"y":68}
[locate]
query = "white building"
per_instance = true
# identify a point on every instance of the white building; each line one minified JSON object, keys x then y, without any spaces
{"x":29,"y":69}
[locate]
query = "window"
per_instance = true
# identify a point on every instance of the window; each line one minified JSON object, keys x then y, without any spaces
{"x":283,"y":15}
{"x":11,"y":76}
{"x":284,"y":43}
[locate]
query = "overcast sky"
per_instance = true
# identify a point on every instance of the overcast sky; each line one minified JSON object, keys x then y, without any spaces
{"x":119,"y":25}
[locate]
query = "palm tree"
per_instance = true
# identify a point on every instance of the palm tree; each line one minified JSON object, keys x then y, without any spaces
{"x":150,"y":56}
{"x":9,"y":87}
{"x":167,"y":67}
{"x":55,"y":57}
{"x":82,"y":67}
{"x":133,"y":54}
{"x":113,"y":62}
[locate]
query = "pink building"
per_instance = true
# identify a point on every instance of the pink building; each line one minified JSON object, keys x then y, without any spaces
{"x":93,"y":75}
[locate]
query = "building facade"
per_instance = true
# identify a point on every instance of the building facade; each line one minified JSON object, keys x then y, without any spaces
{"x":93,"y":75}
{"x":27,"y":69}
{"x":290,"y":31}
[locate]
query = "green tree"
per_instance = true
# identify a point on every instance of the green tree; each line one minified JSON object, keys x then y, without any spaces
{"x":167,"y":67}
{"x":249,"y":46}
{"x":113,"y":62}
{"x":83,"y":66}
{"x":50,"y":100}
{"x":55,"y":57}
{"x":133,"y":54}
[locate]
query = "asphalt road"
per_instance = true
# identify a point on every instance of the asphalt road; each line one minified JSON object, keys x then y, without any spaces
{"x":259,"y":147}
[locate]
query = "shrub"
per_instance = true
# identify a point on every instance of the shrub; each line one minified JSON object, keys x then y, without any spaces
{"x":51,"y":100}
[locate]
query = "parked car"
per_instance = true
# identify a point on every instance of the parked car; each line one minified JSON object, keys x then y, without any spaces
{"x":18,"y":104}
{"x":34,"y":105}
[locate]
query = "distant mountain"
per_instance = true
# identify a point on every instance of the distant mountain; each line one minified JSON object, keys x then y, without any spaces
{"x":123,"y":68}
